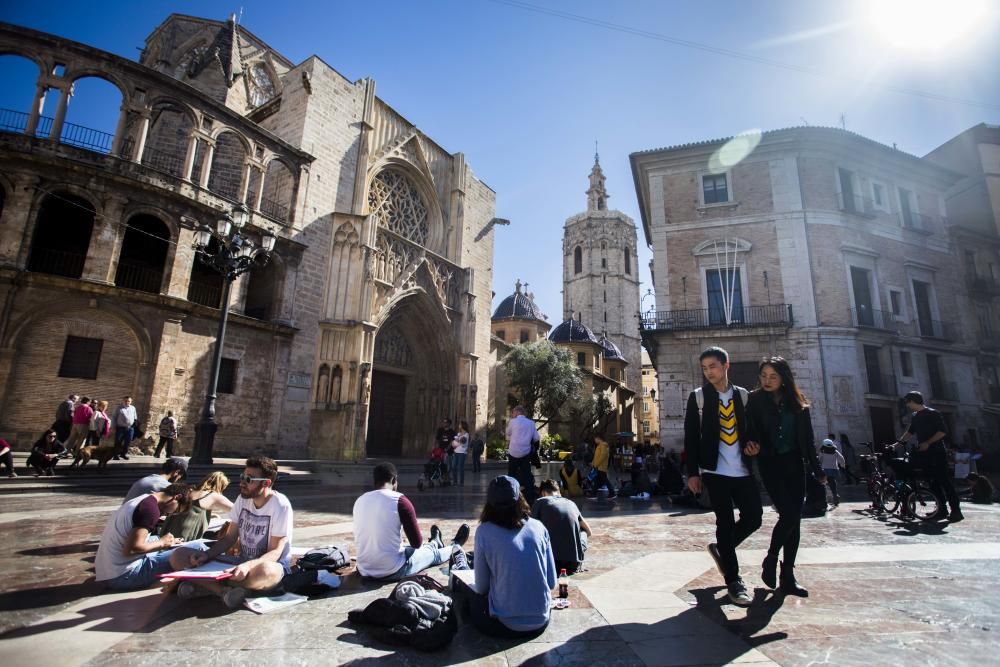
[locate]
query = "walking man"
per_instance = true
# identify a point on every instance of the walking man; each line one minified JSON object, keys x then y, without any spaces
{"x":521,"y":433}
{"x":168,"y":433}
{"x":928,"y":425}
{"x":718,"y":462}
{"x":125,"y":418}
{"x":64,"y":418}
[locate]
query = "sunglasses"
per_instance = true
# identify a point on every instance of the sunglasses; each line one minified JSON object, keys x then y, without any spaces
{"x":247,"y":479}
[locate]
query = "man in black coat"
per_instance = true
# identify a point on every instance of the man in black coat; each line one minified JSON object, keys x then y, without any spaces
{"x":717,"y":459}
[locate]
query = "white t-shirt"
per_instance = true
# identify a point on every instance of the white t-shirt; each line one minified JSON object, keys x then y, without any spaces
{"x":377,"y":529}
{"x":111,"y":561}
{"x":730,"y":460}
{"x":520,"y":432}
{"x":258,"y":526}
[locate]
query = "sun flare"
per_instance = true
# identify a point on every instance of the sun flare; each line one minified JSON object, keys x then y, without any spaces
{"x":925,"y":25}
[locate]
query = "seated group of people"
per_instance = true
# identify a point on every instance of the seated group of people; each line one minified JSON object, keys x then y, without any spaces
{"x":518,"y":549}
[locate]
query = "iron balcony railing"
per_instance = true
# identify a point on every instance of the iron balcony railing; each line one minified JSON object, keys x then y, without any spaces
{"x":981,"y":283}
{"x":72,"y":134}
{"x":56,"y":262}
{"x":868,"y":318}
{"x":856,"y":204}
{"x":205,"y":294}
{"x":944,"y":391}
{"x":884,"y":385}
{"x":273,"y":209}
{"x":917,"y":222}
{"x":170,"y":163}
{"x":133,"y":275}
{"x":936,"y":329}
{"x":711,"y":318}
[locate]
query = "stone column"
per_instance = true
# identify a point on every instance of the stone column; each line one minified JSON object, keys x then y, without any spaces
{"x":143,"y":135}
{"x":245,"y":181}
{"x":206,"y":164}
{"x":116,"y":143}
{"x":259,"y":194}
{"x":105,"y":242}
{"x":181,"y":264}
{"x":36,"y":109}
{"x":192,"y":148}
{"x":57,"y":125}
{"x":15,"y":234}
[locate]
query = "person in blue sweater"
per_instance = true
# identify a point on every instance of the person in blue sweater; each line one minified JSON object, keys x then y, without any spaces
{"x":515,"y":570}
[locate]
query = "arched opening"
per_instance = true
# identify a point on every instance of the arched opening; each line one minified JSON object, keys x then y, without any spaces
{"x":412,"y":379}
{"x":170,"y":125}
{"x":92,"y":114}
{"x":227,"y":166}
{"x":143,"y":254}
{"x":62,"y":235}
{"x":205,"y":286}
{"x":20,"y":77}
{"x":578,"y":260}
{"x":276,"y":200}
{"x":628,"y":262}
{"x":264,"y":291}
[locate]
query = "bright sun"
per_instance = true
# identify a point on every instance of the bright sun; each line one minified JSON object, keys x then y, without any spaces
{"x":925,"y":25}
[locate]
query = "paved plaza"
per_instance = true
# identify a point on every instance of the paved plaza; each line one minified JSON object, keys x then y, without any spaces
{"x":882,"y":592}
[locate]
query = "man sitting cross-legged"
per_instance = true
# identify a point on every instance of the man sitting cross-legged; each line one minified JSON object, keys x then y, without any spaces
{"x":130,"y":555}
{"x":262,"y":520}
{"x":379,"y":516}
{"x":568,"y":530}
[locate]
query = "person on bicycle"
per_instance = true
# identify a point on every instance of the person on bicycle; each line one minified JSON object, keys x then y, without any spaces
{"x":928,"y":426}
{"x":778,"y":420}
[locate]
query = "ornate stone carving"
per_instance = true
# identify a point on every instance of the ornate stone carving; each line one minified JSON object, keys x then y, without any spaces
{"x":392,"y":349}
{"x":396,"y":204}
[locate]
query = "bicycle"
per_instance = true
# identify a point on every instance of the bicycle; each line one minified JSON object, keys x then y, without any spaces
{"x":903,"y":493}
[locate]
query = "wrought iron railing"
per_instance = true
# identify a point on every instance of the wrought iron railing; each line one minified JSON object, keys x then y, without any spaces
{"x":72,"y":134}
{"x":869,"y":318}
{"x":918,"y":222}
{"x":170,"y":163}
{"x":981,"y":283}
{"x":273,"y":209}
{"x":711,"y":318}
{"x":855,"y":203}
{"x":936,"y":329}
{"x":206,"y":294}
{"x":133,"y":275}
{"x":56,"y":262}
{"x":13,"y":121}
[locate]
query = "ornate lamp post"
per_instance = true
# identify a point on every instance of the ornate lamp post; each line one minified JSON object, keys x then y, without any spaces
{"x":234,"y":254}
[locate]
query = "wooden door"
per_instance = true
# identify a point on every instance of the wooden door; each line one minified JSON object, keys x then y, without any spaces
{"x":386,"y":413}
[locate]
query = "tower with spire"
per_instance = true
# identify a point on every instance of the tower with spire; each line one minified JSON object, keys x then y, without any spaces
{"x":601,"y":274}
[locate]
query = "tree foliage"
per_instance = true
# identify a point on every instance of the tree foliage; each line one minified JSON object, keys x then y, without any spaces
{"x":589,"y":415}
{"x":544,"y":377}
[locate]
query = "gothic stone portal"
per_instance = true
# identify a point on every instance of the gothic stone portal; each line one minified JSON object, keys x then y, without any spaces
{"x":412,"y":381}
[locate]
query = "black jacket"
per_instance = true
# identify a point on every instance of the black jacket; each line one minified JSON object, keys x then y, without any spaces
{"x":701,"y":438}
{"x":762,"y":421}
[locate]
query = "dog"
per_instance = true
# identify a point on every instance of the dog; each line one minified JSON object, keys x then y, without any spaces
{"x":102,"y":454}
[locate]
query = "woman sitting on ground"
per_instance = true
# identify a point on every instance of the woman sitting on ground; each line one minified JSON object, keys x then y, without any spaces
{"x":515,"y":571}
{"x":569,"y":479}
{"x":207,"y":498}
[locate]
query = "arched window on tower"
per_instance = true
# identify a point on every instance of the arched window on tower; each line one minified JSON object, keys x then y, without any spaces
{"x":578,"y":260}
{"x":628,"y":262}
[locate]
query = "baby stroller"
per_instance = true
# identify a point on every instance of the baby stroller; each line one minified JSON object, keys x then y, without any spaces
{"x":435,"y":472}
{"x":589,"y":483}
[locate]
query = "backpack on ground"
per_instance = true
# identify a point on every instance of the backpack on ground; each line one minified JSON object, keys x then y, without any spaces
{"x":325,"y":558}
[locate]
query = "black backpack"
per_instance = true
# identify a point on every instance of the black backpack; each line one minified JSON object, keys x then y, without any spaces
{"x":325,"y":558}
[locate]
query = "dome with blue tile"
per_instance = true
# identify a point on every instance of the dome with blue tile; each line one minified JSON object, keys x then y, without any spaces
{"x":611,"y":351}
{"x":572,"y":331}
{"x":519,"y":306}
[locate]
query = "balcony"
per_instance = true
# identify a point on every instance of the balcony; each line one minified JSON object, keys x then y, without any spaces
{"x":748,"y":317}
{"x":928,"y":328}
{"x":856,"y":205}
{"x":979,"y":284}
{"x":945,"y":391}
{"x":867,"y":318}
{"x":916,"y":222}
{"x":884,"y":385}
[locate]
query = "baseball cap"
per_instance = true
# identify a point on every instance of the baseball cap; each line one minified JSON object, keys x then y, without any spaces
{"x":503,"y":491}
{"x":827,"y":441}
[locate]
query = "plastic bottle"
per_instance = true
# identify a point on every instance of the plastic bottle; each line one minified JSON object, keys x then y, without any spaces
{"x":563,"y":584}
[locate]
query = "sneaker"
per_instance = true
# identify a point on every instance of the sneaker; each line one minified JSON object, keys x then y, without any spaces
{"x":115,"y":458}
{"x":188,"y":591}
{"x":234,"y":597}
{"x":462,"y":536}
{"x":458,"y":560}
{"x":125,"y":456}
{"x":436,"y":539}
{"x":713,"y":551}
{"x":12,"y":475}
{"x":738,"y":594}
{"x":955,"y":516}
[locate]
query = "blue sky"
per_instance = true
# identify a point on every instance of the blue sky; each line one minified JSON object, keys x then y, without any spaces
{"x":524,"y":93}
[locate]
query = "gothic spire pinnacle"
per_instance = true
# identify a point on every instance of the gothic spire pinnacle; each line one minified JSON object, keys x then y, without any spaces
{"x":597,"y":195}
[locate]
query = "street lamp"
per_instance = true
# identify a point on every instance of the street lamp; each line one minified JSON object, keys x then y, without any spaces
{"x":236,"y":253}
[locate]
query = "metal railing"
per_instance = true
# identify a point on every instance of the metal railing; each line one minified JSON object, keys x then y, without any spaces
{"x":56,"y":262}
{"x":169,"y":163}
{"x":711,"y":318}
{"x":86,"y":137}
{"x":917,"y":222}
{"x":13,"y":121}
{"x":945,"y":391}
{"x":882,"y":384}
{"x":273,"y":209}
{"x":137,"y":276}
{"x":868,"y":318}
{"x":980,"y":283}
{"x":205,"y":294}
{"x":856,"y":204}
{"x":936,"y":329}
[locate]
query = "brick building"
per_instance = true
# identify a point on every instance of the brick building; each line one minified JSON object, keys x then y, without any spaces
{"x":358,"y":337}
{"x":824,"y":247}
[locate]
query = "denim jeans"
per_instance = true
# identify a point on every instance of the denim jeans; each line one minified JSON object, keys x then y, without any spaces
{"x":123,"y":438}
{"x":458,"y":468}
{"x":832,"y":474}
{"x":144,"y":570}
{"x":418,"y":560}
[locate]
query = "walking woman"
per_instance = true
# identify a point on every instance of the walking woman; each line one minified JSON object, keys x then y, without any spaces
{"x":778,"y":420}
{"x":459,"y":449}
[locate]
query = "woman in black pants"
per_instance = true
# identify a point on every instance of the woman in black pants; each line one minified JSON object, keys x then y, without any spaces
{"x":778,"y":419}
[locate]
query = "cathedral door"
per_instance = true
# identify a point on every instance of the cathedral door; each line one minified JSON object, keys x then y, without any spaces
{"x":386,"y":413}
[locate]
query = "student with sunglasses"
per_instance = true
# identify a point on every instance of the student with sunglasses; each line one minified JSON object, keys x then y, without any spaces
{"x":262,"y":520}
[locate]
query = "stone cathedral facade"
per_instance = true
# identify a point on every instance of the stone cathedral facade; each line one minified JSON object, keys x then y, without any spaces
{"x":363,"y":332}
{"x":601,"y":274}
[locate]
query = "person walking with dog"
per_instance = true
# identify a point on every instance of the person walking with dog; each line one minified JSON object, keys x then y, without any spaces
{"x":100,"y":424}
{"x":81,"y":426}
{"x":717,"y":461}
{"x":64,"y":418}
{"x":168,"y":434}
{"x":778,"y":421}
